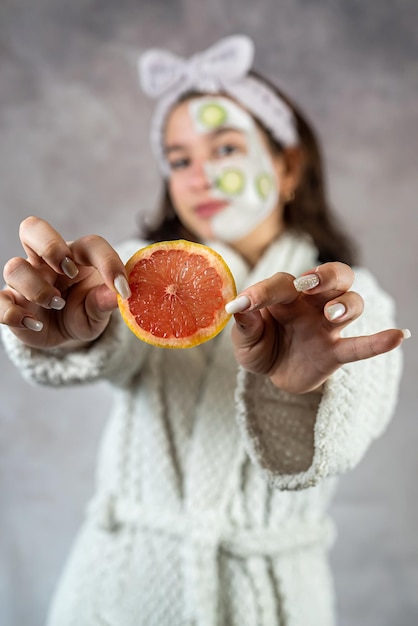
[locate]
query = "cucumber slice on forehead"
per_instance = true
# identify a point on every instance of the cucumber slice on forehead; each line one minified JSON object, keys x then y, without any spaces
{"x":212,"y":115}
{"x":232,"y":182}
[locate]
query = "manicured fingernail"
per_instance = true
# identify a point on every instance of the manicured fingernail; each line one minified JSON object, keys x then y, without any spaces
{"x":406,"y":333}
{"x":304,"y":283}
{"x":335,"y":311}
{"x":69,"y":268}
{"x":122,"y":287}
{"x":238,"y":305}
{"x":57,"y":303}
{"x":32,"y":324}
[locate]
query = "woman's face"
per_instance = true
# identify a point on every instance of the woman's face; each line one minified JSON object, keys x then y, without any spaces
{"x":224,"y":182}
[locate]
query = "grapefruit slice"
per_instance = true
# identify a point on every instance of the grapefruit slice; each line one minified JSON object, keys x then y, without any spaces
{"x":179,"y":291}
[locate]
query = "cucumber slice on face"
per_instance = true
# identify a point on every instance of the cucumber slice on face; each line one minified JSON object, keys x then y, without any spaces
{"x":263,"y":184}
{"x":232,"y":182}
{"x":212,"y":115}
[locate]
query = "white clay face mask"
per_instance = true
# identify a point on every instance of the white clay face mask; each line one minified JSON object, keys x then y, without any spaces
{"x":247,"y":182}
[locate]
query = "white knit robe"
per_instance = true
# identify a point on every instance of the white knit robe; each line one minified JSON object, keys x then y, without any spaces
{"x":213,"y":485}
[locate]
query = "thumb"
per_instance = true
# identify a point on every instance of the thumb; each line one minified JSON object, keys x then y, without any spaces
{"x":100,"y":302}
{"x":248,"y":329}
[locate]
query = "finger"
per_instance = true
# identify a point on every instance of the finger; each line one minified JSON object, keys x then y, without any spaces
{"x":359,"y":348}
{"x":95,"y":251}
{"x":42,"y":243}
{"x":278,"y":289}
{"x":21,"y":276}
{"x":16,"y":316}
{"x":345,"y":309}
{"x":329,"y":280}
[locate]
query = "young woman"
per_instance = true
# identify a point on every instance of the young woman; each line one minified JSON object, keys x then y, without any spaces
{"x":218,"y":463}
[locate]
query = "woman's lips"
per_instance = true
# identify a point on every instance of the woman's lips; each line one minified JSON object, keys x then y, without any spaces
{"x":207,"y":209}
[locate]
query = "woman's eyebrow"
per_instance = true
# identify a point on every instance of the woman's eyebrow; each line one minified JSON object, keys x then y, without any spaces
{"x":226,"y":129}
{"x":173,"y":148}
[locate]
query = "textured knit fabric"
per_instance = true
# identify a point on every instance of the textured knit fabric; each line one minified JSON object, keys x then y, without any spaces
{"x":212,"y":484}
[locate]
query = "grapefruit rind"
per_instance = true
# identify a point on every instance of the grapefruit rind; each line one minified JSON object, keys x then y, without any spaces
{"x":221,"y":317}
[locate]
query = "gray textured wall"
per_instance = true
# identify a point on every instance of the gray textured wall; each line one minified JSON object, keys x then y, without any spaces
{"x":73,"y":149}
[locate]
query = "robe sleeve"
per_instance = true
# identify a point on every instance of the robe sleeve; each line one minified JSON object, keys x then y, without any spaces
{"x":116,"y":355}
{"x":298,"y":440}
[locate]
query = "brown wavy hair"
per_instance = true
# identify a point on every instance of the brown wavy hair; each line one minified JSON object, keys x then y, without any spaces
{"x":308,"y":212}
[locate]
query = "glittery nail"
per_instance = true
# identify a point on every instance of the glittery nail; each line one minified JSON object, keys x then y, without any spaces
{"x":304,"y":283}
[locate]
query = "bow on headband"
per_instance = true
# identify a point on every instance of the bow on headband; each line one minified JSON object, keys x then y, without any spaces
{"x":222,"y":68}
{"x":228,"y":60}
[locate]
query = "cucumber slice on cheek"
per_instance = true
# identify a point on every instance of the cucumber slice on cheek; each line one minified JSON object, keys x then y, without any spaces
{"x":263,"y":185}
{"x":232,"y":182}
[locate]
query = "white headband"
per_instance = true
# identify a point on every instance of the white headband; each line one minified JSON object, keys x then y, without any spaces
{"x":224,"y":68}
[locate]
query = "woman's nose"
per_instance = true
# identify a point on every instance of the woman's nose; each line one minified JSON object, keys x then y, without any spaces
{"x":199,"y":178}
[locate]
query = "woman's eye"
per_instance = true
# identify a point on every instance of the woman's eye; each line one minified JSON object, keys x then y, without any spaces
{"x":227,"y":149}
{"x":179,"y":164}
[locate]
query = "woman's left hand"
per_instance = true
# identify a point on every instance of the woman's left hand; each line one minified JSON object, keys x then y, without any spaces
{"x":290,"y":331}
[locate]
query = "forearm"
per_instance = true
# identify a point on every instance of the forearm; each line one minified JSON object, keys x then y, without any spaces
{"x":299,"y":440}
{"x":115,"y":356}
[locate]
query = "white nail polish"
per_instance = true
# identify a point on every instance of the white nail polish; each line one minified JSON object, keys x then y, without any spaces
{"x":335,"y":311}
{"x":238,"y":305}
{"x":32,"y":324}
{"x":57,"y":303}
{"x":304,"y":283}
{"x":122,"y":287}
{"x":406,"y":333}
{"x":69,"y":268}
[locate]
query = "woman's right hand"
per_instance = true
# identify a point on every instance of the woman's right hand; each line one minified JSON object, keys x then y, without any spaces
{"x":63,"y":292}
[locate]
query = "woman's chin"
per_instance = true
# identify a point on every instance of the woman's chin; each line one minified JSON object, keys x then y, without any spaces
{"x":204,"y":232}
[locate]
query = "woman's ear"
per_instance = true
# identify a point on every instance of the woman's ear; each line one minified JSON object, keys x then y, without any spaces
{"x":292,"y":164}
